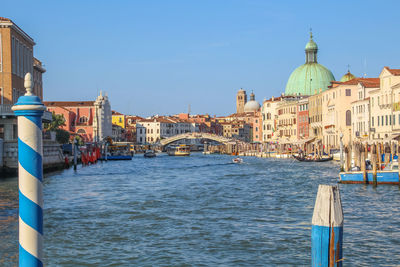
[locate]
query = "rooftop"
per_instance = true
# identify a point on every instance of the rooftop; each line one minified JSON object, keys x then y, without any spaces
{"x":395,"y":72}
{"x":366,"y":82}
{"x":68,"y":103}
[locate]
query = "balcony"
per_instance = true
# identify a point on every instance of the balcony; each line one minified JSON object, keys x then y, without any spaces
{"x":5,"y":110}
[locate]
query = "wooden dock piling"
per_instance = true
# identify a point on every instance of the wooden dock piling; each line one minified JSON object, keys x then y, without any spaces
{"x":379,"y":152}
{"x":362,"y":162}
{"x":374,"y":162}
{"x":327,"y":228}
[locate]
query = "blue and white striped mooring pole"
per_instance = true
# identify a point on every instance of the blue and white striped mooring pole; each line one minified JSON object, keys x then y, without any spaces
{"x":327,"y":228}
{"x":29,"y":110}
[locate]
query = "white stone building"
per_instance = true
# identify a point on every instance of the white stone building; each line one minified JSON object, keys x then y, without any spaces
{"x":269,"y":119}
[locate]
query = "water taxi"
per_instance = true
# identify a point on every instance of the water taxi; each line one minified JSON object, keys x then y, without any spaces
{"x":181,"y":150}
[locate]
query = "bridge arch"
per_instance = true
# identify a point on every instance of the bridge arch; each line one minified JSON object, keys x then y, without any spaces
{"x":214,"y":137}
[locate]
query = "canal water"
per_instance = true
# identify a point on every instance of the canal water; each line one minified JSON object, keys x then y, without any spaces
{"x":200,"y":210}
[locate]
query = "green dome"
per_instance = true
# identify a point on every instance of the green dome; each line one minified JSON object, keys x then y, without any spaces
{"x":311,"y":76}
{"x":308,"y":79}
{"x":311,"y":45}
{"x":347,"y":77}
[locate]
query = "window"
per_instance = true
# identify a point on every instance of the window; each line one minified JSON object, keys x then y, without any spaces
{"x":83,"y":119}
{"x":348,"y":92}
{"x":372,"y":102}
{"x":348,"y":117}
{"x":386,"y":117}
{"x":81,"y":131}
{"x":394,"y":119}
{"x":377,"y":119}
{"x":372,"y":122}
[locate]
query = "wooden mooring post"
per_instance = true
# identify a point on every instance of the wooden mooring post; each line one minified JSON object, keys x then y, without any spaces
{"x":327,"y":228}
{"x":379,"y":151}
{"x":363,"y":168}
{"x":374,"y":163}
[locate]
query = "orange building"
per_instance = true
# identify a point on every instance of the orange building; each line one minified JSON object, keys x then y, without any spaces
{"x":16,"y":59}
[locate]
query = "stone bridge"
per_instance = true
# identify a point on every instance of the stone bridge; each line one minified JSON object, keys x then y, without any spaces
{"x":214,"y":137}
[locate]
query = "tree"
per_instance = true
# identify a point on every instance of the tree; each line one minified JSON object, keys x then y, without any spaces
{"x":62,"y":136}
{"x":57,"y":121}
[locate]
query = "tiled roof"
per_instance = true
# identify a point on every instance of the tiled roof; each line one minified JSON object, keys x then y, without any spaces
{"x":395,"y":72}
{"x":367,"y":82}
{"x":116,"y":113}
{"x":68,"y":103}
{"x":4,"y":19}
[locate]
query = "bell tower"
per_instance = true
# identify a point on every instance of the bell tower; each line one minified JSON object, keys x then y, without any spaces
{"x":241,"y":99}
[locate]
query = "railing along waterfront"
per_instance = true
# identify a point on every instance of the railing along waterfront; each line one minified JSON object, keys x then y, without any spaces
{"x":5,"y":110}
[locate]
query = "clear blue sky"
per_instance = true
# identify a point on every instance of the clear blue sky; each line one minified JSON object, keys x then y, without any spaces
{"x":157,"y":57}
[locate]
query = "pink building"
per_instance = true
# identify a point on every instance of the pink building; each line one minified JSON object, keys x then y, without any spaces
{"x":89,"y":119}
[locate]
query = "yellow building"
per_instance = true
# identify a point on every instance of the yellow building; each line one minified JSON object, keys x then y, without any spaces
{"x":118,"y":119}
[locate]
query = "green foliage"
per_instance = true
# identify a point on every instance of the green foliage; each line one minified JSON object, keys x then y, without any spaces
{"x":80,"y":141}
{"x":58,"y":120}
{"x":62,"y":136}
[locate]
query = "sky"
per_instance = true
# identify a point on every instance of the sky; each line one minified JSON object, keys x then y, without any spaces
{"x":159,"y":57}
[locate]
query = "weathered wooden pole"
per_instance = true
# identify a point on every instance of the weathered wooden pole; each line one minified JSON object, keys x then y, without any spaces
{"x":350,"y":157}
{"x":75,"y":153}
{"x":327,"y":228}
{"x":362,"y":163}
{"x":346,"y":159}
{"x":379,"y":151}
{"x":356,"y":151}
{"x":341,"y":153}
{"x":392,"y":151}
{"x":106,"y":152}
{"x":387,"y":154}
{"x":29,"y":110}
{"x":374,"y":162}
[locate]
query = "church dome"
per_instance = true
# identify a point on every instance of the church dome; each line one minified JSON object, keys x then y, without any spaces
{"x":310,"y":77}
{"x":347,"y":77}
{"x":311,"y":45}
{"x":252,"y":105}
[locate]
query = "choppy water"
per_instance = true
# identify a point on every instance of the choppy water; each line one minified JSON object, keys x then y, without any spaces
{"x":200,"y":211}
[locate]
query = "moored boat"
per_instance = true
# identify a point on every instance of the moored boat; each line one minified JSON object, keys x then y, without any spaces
{"x":181,"y":150}
{"x":311,"y":159}
{"x":357,"y":177}
{"x":118,"y":152}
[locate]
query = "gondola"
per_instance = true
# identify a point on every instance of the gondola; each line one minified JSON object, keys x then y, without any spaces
{"x":312,"y":160}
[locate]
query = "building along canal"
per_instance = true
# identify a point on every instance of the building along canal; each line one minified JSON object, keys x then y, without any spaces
{"x":201,"y":210}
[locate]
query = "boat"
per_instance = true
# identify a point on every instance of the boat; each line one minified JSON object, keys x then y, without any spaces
{"x":357,"y":177}
{"x":237,"y":160}
{"x":311,"y":159}
{"x":181,"y":150}
{"x":149,"y":154}
{"x":118,"y":152}
{"x":389,"y":174}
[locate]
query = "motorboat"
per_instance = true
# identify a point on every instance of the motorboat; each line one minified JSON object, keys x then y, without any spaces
{"x":237,"y":160}
{"x":149,"y":153}
{"x":181,"y":150}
